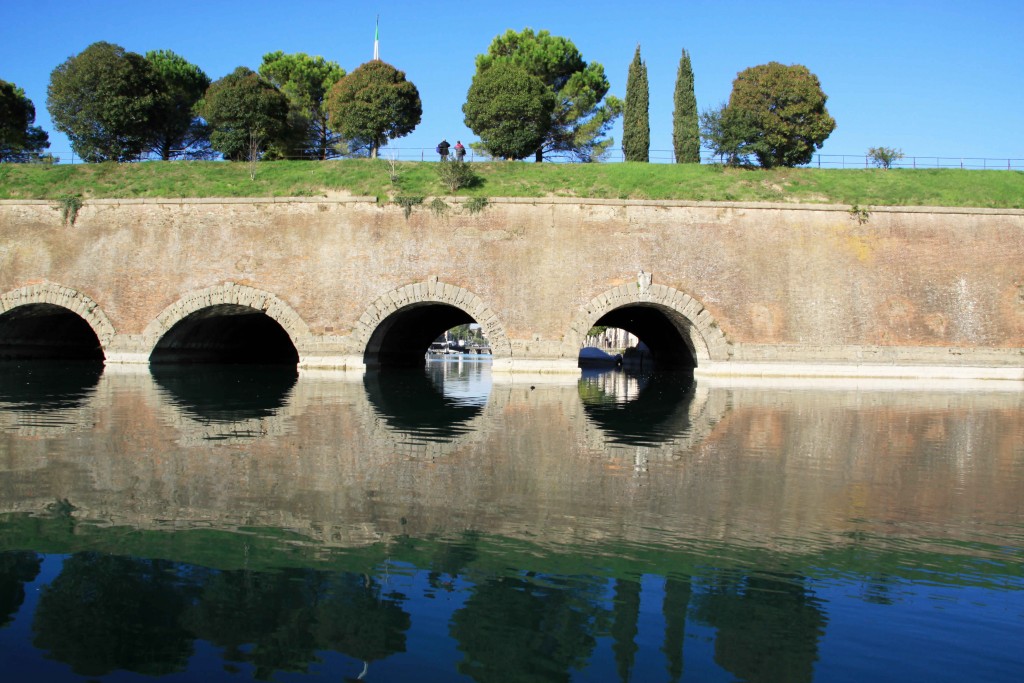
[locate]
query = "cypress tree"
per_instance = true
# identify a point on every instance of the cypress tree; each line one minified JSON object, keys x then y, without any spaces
{"x":636,"y":126}
{"x":685,"y":129}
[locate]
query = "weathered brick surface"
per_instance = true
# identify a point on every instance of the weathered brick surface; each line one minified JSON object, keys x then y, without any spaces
{"x":751,"y":281}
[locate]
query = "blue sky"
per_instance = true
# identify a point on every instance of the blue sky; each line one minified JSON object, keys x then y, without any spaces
{"x":939,"y":78}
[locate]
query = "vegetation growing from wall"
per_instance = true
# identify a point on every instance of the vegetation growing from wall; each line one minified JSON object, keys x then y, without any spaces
{"x":696,"y":182}
{"x":69,"y":207}
{"x":407,"y":202}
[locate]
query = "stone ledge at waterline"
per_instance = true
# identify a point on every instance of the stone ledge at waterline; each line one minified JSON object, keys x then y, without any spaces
{"x":747,"y":288}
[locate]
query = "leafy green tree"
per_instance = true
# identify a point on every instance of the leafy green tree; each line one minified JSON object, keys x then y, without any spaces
{"x":246,"y":114}
{"x":509,"y":109}
{"x":724,"y":143}
{"x":579,"y":119}
{"x":375,"y":103}
{"x":19,"y":139}
{"x":176,"y":130}
{"x":685,"y":123}
{"x":306,"y":81}
{"x":104,"y":100}
{"x":636,"y":124}
{"x":884,"y":157}
{"x":778,"y":113}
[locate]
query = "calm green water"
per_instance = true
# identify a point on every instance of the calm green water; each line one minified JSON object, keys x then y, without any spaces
{"x":231,"y":524}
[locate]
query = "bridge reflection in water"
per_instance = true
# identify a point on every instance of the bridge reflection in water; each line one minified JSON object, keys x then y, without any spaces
{"x":444,"y":525}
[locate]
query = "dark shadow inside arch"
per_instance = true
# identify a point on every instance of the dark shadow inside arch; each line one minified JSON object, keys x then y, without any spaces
{"x":646,"y":409}
{"x":411,"y":402}
{"x":226,"y":333}
{"x":226,"y":393}
{"x":402,"y":339}
{"x":661,"y":330}
{"x":47,"y":331}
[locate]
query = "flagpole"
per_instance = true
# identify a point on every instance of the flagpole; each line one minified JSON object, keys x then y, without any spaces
{"x":376,"y":40}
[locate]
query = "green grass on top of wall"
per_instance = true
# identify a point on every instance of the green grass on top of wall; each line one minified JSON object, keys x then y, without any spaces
{"x":180,"y":179}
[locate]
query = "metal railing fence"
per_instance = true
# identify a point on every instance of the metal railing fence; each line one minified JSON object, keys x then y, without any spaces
{"x":667,"y":156}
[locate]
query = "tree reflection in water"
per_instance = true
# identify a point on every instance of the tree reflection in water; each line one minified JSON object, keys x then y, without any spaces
{"x":531,"y":558}
{"x":278,"y":621}
{"x":16,"y":569}
{"x":104,"y":613}
{"x":768,"y":625}
{"x":520,"y":629}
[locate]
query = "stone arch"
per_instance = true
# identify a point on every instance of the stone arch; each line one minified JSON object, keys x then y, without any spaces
{"x":433,"y":292}
{"x":64,"y":297}
{"x":230,"y":294}
{"x":698,"y":328}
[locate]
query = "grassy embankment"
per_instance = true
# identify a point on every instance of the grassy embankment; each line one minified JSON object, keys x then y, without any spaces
{"x":175,"y":179}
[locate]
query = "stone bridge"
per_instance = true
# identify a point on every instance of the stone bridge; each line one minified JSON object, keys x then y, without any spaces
{"x":346,"y":282}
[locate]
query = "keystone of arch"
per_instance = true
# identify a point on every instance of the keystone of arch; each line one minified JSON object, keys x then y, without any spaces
{"x":429,"y":292}
{"x":230,"y":294}
{"x":700,"y":329}
{"x":65,"y":297}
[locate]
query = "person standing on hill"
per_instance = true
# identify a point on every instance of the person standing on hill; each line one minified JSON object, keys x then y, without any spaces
{"x":460,"y":151}
{"x":442,"y":149}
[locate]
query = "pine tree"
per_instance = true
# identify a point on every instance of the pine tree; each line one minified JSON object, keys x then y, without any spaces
{"x":636,"y":126}
{"x":685,"y":128}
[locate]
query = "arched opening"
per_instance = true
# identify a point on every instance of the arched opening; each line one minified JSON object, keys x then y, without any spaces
{"x":46,"y":331}
{"x":403,"y":338}
{"x":226,"y":333}
{"x":664,"y":335}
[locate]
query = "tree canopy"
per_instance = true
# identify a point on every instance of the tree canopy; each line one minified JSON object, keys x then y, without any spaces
{"x":777,"y":113}
{"x":375,"y":103}
{"x":103,"y":99}
{"x":509,"y":109}
{"x":579,"y":119}
{"x":306,"y":81}
{"x":685,"y":122}
{"x":176,"y":130}
{"x":19,"y":139}
{"x":636,"y":124}
{"x":246,"y":114}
